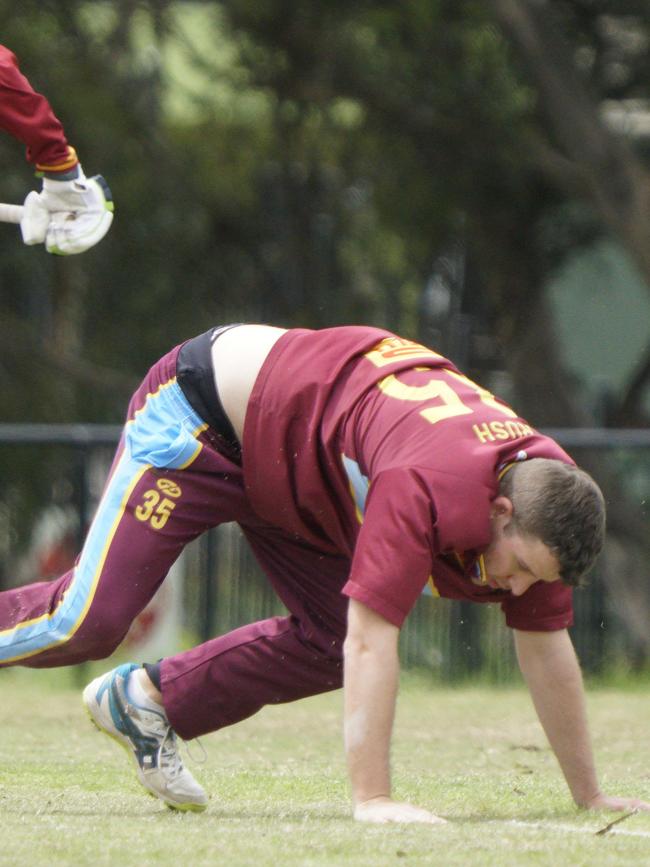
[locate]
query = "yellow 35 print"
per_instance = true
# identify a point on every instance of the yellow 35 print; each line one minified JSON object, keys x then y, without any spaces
{"x":156,"y":508}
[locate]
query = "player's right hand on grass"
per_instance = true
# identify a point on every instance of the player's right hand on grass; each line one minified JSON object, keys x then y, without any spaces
{"x":384,"y":810}
{"x":68,"y":216}
{"x":609,"y":802}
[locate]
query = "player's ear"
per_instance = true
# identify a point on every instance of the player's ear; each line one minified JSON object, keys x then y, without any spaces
{"x":501,"y":507}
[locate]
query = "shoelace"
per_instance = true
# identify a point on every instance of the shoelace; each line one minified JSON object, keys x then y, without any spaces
{"x":204,"y":755}
{"x":168,"y":754}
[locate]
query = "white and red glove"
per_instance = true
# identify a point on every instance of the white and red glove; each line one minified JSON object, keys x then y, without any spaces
{"x":68,"y":216}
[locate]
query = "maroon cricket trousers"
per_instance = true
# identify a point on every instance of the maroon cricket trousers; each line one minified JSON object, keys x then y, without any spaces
{"x":172,"y":479}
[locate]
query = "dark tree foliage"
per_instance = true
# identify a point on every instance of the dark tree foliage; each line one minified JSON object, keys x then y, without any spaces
{"x":425,"y":165}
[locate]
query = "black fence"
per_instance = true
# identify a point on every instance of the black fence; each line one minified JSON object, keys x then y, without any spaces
{"x":224,"y":588}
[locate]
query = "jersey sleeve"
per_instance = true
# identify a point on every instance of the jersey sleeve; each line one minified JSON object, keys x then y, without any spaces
{"x":393,"y":554}
{"x":28,"y":117}
{"x":406,"y":525}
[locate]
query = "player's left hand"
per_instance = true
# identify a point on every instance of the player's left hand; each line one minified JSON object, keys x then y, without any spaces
{"x":68,"y":216}
{"x":609,"y":802}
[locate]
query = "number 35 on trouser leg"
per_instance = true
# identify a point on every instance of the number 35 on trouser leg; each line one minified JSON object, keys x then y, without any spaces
{"x":144,"y":519}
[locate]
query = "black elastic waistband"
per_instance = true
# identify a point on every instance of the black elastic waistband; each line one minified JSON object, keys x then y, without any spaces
{"x":195,"y":376}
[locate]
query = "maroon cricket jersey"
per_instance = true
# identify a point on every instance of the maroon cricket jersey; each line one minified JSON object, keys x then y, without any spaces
{"x":28,"y":116}
{"x":366,"y":444}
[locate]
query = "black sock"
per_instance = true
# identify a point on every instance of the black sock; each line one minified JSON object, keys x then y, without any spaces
{"x":153,"y":672}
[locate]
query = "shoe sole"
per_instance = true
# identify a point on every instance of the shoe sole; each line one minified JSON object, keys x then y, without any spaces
{"x":89,"y":702}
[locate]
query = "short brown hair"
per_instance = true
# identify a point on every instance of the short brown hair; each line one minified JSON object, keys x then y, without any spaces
{"x":562,"y":506}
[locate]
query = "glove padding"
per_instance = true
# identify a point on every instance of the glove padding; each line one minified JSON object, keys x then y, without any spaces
{"x":68,"y":216}
{"x":36,"y":219}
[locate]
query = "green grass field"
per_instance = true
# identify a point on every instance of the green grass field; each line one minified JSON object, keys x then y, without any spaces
{"x":476,"y":755}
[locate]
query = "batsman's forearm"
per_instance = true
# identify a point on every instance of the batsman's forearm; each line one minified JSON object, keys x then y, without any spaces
{"x":28,"y":116}
{"x":551,"y":670}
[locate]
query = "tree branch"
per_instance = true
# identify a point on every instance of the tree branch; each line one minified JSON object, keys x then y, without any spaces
{"x":19,"y":341}
{"x":629,"y":412}
{"x":618,"y":186}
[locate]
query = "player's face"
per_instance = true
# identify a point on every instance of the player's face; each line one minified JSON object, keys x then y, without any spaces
{"x":514,"y":561}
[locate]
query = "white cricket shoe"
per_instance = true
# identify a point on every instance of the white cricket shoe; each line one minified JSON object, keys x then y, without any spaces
{"x":148,"y":738}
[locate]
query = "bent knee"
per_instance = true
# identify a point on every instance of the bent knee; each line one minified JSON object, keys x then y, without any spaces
{"x":99,"y":637}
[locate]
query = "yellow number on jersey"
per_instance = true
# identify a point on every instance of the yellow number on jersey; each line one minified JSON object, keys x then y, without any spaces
{"x":486,"y":396}
{"x":450,"y":405}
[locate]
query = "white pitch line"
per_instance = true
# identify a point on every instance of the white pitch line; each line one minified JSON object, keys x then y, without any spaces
{"x":572,"y":829}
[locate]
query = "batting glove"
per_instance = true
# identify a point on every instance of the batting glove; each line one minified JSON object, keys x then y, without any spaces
{"x":68,"y":216}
